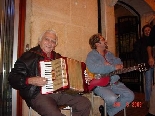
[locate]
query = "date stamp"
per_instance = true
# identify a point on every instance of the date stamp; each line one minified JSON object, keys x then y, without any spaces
{"x":134,"y":104}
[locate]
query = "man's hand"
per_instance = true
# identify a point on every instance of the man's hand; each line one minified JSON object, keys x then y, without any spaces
{"x":150,"y":56}
{"x":151,"y":61}
{"x":37,"y":81}
{"x":119,"y":66}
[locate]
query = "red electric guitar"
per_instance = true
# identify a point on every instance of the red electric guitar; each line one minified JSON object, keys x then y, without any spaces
{"x":104,"y":79}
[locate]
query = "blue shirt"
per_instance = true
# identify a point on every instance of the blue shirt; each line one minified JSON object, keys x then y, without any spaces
{"x":95,"y":62}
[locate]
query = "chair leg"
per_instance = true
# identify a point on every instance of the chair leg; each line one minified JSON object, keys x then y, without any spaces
{"x":105,"y":109}
{"x":70,"y":111}
{"x":105,"y":106}
{"x":30,"y":109}
{"x":92,"y":102}
{"x":124,"y":111}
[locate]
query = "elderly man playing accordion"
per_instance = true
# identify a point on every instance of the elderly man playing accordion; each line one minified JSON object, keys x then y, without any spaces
{"x":25,"y":77}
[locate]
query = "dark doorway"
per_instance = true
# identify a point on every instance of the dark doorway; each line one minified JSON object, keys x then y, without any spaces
{"x":128,"y":33}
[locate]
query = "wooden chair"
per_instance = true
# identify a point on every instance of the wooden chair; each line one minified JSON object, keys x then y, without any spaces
{"x":105,"y":109}
{"x":61,"y":107}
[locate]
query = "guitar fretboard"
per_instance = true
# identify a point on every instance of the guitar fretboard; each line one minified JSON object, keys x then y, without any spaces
{"x":140,"y":67}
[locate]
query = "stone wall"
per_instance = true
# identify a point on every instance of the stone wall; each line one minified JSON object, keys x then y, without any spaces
{"x":73,"y":20}
{"x":151,"y":3}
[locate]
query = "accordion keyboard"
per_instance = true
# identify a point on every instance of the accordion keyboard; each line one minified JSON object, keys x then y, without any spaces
{"x":56,"y":74}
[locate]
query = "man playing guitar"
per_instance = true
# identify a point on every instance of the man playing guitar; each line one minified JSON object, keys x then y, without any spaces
{"x":102,"y":61}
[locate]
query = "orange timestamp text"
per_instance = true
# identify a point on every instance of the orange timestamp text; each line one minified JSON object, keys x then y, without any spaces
{"x":134,"y":104}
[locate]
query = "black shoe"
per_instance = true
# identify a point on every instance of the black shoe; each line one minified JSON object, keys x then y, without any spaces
{"x":101,"y":109}
{"x":149,"y":114}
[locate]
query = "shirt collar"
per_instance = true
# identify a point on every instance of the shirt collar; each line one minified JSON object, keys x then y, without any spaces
{"x":45,"y":55}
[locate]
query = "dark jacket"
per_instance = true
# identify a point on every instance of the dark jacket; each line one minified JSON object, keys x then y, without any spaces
{"x":152,"y":37}
{"x":27,"y":66}
{"x":152,"y":40}
{"x":140,"y":50}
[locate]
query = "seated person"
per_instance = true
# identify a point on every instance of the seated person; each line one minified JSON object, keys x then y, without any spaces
{"x":101,"y":61}
{"x":25,"y":77}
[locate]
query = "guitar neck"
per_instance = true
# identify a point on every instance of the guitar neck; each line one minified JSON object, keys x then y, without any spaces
{"x":120,"y":71}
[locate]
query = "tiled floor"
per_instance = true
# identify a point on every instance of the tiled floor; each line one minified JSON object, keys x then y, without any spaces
{"x":137,"y":108}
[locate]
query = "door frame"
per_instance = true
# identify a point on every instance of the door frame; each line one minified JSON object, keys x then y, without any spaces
{"x":18,"y":49}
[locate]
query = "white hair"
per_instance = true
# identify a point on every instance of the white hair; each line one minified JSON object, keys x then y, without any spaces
{"x":49,"y":31}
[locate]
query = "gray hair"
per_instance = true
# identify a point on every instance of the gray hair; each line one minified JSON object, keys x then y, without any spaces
{"x":49,"y":31}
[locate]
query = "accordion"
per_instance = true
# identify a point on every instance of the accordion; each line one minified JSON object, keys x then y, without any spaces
{"x":63,"y":74}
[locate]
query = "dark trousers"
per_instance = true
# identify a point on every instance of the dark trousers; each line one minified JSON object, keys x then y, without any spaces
{"x":48,"y":105}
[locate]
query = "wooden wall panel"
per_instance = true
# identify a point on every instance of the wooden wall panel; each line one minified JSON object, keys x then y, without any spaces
{"x":21,"y":40}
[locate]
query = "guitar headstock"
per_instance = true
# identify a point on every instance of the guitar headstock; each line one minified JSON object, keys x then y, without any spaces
{"x":142,"y":67}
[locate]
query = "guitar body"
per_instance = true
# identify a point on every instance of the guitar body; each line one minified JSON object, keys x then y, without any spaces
{"x":105,"y":78}
{"x":103,"y":81}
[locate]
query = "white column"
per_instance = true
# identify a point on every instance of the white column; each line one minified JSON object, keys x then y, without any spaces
{"x":108,"y":22}
{"x":15,"y":44}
